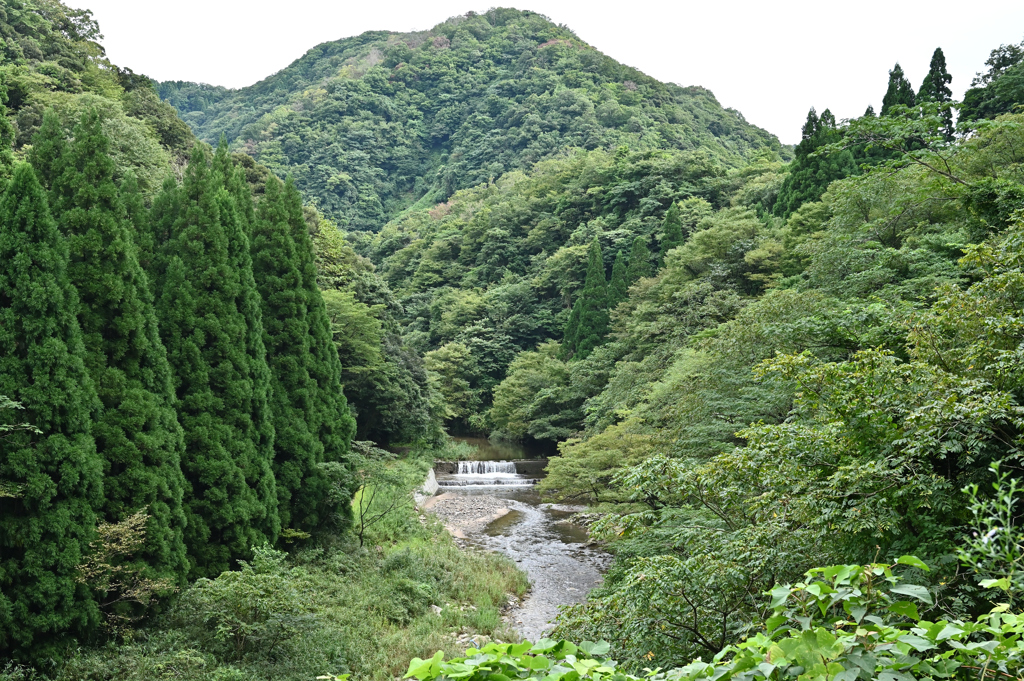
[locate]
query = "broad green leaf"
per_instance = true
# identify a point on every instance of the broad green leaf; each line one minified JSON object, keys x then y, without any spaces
{"x":905,"y":608}
{"x":598,"y":649}
{"x":916,"y":642}
{"x":949,"y":631}
{"x":914,"y":591}
{"x":414,"y":665}
{"x":780,"y":594}
{"x":912,"y":561}
{"x":1003,"y":584}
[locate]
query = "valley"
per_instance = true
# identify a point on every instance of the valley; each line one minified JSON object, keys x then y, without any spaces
{"x":695,"y":401}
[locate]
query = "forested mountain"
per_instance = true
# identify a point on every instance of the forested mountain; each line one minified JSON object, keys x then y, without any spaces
{"x":370,"y":125}
{"x":747,"y":367}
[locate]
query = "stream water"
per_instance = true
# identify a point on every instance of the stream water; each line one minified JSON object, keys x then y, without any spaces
{"x":555,"y":553}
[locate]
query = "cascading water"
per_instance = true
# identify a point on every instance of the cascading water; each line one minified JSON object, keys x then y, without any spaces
{"x":486,"y":467}
{"x":486,"y":474}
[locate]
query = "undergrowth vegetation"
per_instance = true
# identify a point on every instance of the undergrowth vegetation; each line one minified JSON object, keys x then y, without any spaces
{"x":332,"y":608}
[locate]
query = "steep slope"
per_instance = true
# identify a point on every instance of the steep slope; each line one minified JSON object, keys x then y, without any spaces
{"x":371,"y":125}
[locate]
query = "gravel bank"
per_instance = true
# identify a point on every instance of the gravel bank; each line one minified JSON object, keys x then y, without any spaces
{"x":463,"y":514}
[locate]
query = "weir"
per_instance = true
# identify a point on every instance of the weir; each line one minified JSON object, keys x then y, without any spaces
{"x":486,"y":474}
{"x":486,"y":467}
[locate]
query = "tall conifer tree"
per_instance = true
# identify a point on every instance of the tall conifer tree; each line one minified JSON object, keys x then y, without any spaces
{"x":49,"y":149}
{"x":639,"y":261}
{"x":671,"y":230}
{"x":155,"y":232}
{"x":53,"y":480}
{"x":138,"y":436}
{"x":236,"y":211}
{"x":809,"y":174}
{"x":297,"y":451}
{"x":222,"y":403}
{"x":899,"y":93}
{"x":618,"y":287}
{"x":137,"y":217}
{"x":935,"y":88}
{"x":332,"y":421}
{"x":570,"y":337}
{"x":588,"y":322}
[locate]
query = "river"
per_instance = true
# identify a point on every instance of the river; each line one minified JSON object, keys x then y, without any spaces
{"x":555,"y":553}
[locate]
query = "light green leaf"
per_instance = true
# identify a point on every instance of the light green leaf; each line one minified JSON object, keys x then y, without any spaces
{"x":914,"y":591}
{"x":912,"y":561}
{"x":1003,"y":584}
{"x":595,"y":649}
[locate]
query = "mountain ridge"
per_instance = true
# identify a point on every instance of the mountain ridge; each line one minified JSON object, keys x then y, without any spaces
{"x":372,"y":124}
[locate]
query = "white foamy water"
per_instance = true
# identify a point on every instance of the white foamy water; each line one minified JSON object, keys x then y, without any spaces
{"x":486,"y":474}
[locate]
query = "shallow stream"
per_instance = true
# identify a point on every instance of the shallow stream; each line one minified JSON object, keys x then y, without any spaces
{"x":555,"y":553}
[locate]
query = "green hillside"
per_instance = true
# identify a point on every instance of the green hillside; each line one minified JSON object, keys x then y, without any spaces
{"x":371,"y":125}
{"x":789,"y":394}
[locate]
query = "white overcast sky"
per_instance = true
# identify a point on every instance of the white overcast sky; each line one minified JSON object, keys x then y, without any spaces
{"x":770,"y":60}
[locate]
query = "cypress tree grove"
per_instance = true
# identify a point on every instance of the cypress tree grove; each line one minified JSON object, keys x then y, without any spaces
{"x":235,"y":214}
{"x":588,"y":323}
{"x":639,"y":261}
{"x":138,"y":436}
{"x":935,"y":88}
{"x":671,"y":230}
{"x":49,"y":148}
{"x":332,"y":421}
{"x":300,"y":486}
{"x":571,"y":334}
{"x":52,"y":480}
{"x":618,"y":287}
{"x":899,"y":93}
{"x":231,"y":504}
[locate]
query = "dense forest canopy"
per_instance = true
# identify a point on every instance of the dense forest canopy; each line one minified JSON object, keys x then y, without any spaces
{"x":371,"y":125}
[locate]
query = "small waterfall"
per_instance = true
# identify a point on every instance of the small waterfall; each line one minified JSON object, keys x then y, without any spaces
{"x":486,"y":467}
{"x":486,"y":474}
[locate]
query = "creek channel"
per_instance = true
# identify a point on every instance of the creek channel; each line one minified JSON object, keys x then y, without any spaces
{"x":493,"y":504}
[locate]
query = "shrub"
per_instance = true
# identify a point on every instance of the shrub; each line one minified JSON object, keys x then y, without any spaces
{"x":547,"y":659}
{"x":250,"y":611}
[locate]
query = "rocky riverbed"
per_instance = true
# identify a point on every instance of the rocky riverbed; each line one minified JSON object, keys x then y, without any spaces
{"x":466,"y":515}
{"x":556,"y":553}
